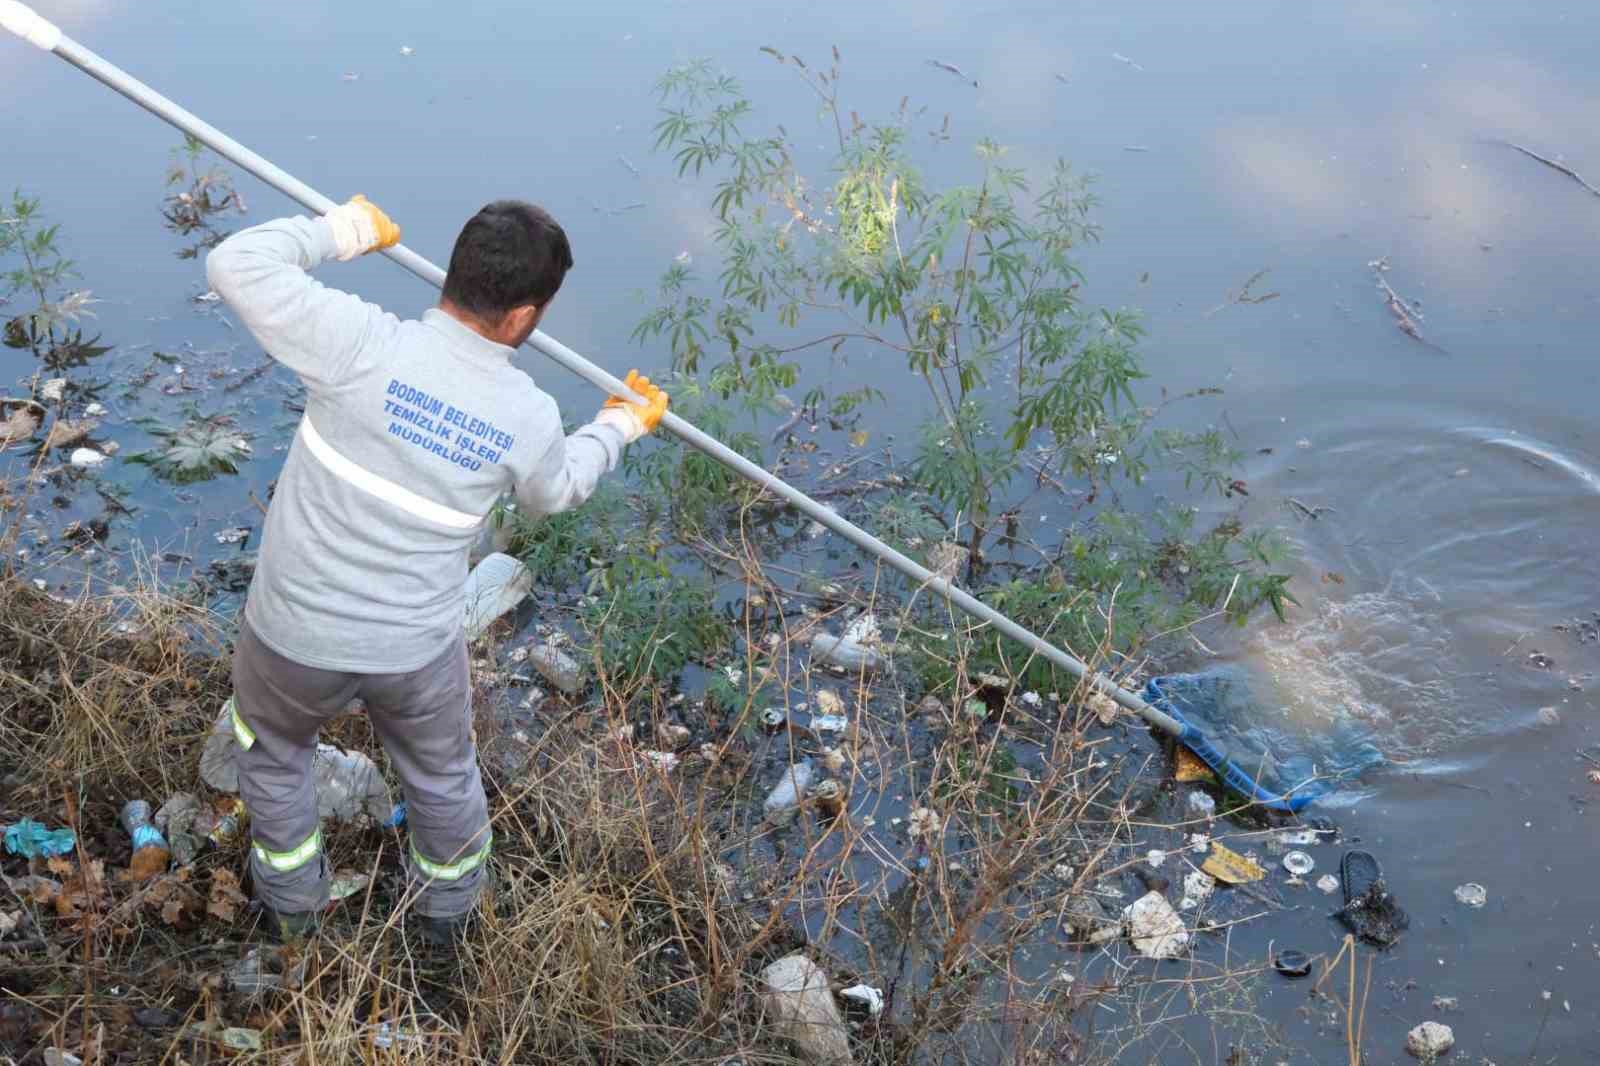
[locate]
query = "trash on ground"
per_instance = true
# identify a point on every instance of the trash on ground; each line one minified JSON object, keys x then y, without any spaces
{"x":348,"y":783}
{"x":151,"y":855}
{"x":844,"y":653}
{"x":9,"y":922}
{"x":1328,"y":883}
{"x":1299,"y":863}
{"x":795,"y":992}
{"x":1292,"y":963}
{"x":177,"y":820}
{"x":1430,"y":1040}
{"x":496,"y":585}
{"x":31,"y":839}
{"x":1369,"y":910}
{"x":829,"y":723}
{"x":1197,"y":888}
{"x":829,"y":797}
{"x":829,"y":705}
{"x":557,"y":667}
{"x":1155,"y":857}
{"x":219,"y":766}
{"x":661,"y":760}
{"x":1155,"y":927}
{"x":236,"y":535}
{"x":86,"y":457}
{"x":1299,"y":837}
{"x":242,"y":1039}
{"x":263,"y":970}
{"x":1472,"y":894}
{"x":785,"y":796}
{"x":1202,"y":804}
{"x":872,"y":997}
{"x":1446,"y":1003}
{"x":345,"y":884}
{"x":53,"y":391}
{"x":54,"y":1056}
{"x":1229,"y":866}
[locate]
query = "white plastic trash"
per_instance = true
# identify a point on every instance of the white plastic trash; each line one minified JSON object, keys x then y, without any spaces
{"x":496,"y":585}
{"x":785,"y":795}
{"x":1299,"y":863}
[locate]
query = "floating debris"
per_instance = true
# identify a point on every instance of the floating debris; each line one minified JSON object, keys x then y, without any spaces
{"x":1299,"y":863}
{"x":86,"y":458}
{"x":1405,"y":312}
{"x":1156,"y":929}
{"x":872,"y":997}
{"x":407,"y":50}
{"x":951,"y":68}
{"x":1554,"y":165}
{"x":1230,"y":867}
{"x":1120,"y":58}
{"x":1472,"y":894}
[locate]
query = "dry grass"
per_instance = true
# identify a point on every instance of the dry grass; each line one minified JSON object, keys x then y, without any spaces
{"x":634,"y":905}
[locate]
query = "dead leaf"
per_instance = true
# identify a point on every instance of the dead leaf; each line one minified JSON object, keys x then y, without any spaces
{"x":9,"y":922}
{"x":21,"y":422}
{"x":64,"y":434}
{"x":60,"y":866}
{"x":858,"y":439}
{"x":34,"y":888}
{"x":226,"y":899}
{"x":85,"y":889}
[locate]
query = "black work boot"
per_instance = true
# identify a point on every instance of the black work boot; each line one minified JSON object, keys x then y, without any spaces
{"x":291,"y":926}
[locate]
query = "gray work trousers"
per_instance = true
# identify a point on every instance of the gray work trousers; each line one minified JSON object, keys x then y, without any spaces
{"x":422,"y":718}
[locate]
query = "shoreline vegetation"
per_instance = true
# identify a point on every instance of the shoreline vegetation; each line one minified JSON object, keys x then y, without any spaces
{"x":972,"y":829}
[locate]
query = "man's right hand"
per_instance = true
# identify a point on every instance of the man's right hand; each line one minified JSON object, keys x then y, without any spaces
{"x":359,"y":227}
{"x":635,"y":419}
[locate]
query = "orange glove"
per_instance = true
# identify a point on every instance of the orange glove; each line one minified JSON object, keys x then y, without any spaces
{"x":635,"y":419}
{"x":360,"y":227}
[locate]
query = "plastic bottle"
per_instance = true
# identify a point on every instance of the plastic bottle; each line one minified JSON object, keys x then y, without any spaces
{"x":150,"y":852}
{"x":496,"y":585}
{"x":784,"y":798}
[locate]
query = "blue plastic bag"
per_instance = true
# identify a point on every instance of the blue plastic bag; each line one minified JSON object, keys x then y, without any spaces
{"x":31,"y":839}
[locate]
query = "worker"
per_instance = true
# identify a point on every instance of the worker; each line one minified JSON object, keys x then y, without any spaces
{"x":412,"y":431}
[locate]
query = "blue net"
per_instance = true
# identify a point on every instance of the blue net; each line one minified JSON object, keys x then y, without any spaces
{"x":1284,"y":753}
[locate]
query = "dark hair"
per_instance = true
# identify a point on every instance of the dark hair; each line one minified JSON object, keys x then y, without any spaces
{"x":509,"y":254}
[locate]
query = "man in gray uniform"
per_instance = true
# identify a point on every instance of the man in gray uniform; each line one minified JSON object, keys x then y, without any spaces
{"x":412,"y":431}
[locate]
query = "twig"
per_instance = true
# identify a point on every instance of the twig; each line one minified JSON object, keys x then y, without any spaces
{"x":1562,"y":167}
{"x":1585,"y":755}
{"x":1309,"y":512}
{"x":1405,"y":319}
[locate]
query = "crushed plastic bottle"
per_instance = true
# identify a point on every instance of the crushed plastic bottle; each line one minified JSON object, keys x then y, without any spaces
{"x":496,"y":585}
{"x":784,"y":798}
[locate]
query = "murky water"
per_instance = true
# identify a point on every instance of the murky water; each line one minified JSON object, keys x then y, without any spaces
{"x":1454,"y":487}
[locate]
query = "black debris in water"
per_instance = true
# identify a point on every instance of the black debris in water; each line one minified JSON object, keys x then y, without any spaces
{"x":1369,"y":911}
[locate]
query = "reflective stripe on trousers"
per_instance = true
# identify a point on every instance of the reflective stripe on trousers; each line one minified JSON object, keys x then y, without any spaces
{"x":294,"y":858}
{"x":454,"y":871}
